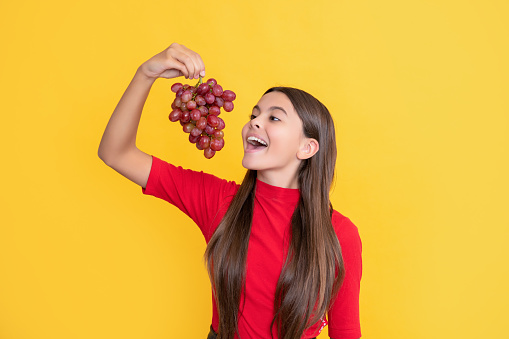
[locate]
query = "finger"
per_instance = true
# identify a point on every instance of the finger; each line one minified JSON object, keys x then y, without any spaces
{"x":199,"y":66}
{"x":172,"y":64}
{"x":185,"y":58}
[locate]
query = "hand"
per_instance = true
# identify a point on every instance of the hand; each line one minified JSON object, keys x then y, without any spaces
{"x":175,"y":61}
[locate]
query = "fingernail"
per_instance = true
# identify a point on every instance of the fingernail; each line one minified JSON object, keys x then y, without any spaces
{"x":202,"y":73}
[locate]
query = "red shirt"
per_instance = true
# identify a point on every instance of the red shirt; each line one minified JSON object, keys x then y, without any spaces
{"x":205,"y":199}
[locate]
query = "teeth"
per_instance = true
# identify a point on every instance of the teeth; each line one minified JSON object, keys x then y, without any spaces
{"x":258,"y":140}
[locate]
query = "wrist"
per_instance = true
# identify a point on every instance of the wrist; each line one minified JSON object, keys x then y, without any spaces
{"x":140,"y":73}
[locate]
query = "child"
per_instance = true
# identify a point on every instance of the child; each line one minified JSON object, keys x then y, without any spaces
{"x":279,"y":257}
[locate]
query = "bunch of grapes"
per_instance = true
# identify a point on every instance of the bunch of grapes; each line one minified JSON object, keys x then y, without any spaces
{"x":198,"y":108}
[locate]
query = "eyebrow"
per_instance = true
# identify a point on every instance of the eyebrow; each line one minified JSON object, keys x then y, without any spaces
{"x":271,"y":108}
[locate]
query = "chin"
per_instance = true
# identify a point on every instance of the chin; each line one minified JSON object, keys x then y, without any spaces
{"x":250,"y":164}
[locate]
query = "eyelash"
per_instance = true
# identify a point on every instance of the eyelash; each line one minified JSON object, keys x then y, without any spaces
{"x":252,"y":116}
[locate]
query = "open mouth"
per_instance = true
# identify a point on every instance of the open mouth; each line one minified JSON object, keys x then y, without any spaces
{"x":255,"y":144}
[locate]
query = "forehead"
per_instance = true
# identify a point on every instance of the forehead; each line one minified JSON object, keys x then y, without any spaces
{"x":276,"y":99}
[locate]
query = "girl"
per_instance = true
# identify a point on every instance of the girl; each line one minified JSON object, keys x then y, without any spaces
{"x":280,"y":258}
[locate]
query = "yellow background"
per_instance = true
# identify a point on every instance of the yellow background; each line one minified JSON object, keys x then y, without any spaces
{"x":418,"y":90}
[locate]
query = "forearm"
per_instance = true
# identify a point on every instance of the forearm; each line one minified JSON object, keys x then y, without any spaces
{"x":121,"y":130}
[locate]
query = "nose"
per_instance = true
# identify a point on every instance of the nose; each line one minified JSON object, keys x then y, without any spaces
{"x":255,"y":123}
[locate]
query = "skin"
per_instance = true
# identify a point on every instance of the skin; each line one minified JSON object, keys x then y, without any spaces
{"x":275,"y":120}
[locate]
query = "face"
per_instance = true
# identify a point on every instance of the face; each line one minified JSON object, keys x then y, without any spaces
{"x":273,"y":137}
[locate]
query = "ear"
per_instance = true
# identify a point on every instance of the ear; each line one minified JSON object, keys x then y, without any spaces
{"x":309,"y":148}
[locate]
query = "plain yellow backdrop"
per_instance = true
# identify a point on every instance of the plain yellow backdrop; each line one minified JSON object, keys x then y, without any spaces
{"x":419,"y":94}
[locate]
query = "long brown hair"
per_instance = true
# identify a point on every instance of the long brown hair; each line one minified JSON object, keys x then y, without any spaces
{"x":313,"y":270}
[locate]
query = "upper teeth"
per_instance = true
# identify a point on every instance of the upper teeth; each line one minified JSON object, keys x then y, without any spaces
{"x":257,"y":139}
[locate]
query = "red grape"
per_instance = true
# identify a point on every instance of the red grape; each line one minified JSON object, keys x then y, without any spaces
{"x":196,"y":131}
{"x":209,"y":129}
{"x":218,"y":134}
{"x":228,"y":106}
{"x":201,"y":123}
{"x":185,"y":116}
{"x":210,"y":98}
{"x":217,"y":90}
{"x":197,"y":109}
{"x":217,"y":144}
{"x":175,"y":115}
{"x":219,"y":101}
{"x":209,"y":153}
{"x":195,"y":115}
{"x":176,"y":87}
{"x":188,"y":127}
{"x":204,"y":141}
{"x":203,"y":89}
{"x":186,"y":96}
{"x":221,"y":124}
{"x":213,"y":120}
{"x":193,"y":139}
{"x":204,"y":111}
{"x":200,"y":101}
{"x":214,"y":110}
{"x":228,"y":95}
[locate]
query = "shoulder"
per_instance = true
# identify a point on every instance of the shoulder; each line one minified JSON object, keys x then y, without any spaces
{"x":345,"y":229}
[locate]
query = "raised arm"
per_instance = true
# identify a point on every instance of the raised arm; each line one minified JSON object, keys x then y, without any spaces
{"x":118,"y":144}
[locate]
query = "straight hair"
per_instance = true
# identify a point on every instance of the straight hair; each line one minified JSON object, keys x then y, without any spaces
{"x":313,"y":270}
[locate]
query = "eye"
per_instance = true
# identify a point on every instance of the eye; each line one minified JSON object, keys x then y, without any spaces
{"x":252,"y":116}
{"x":274,"y":118}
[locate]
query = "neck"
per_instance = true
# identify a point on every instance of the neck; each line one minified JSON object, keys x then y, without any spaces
{"x":278,"y":179}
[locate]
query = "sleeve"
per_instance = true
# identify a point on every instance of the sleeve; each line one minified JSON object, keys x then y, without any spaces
{"x":343,"y":317}
{"x":201,"y":196}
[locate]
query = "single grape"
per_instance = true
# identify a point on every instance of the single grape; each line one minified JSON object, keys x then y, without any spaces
{"x":221,"y":124}
{"x":178,"y":102}
{"x":217,"y":144}
{"x":218,"y":134}
{"x":203,"y":89}
{"x":201,"y":123}
{"x":217,"y":90}
{"x":200,"y":101}
{"x":228,"y":106}
{"x":192,"y":89}
{"x":198,"y":146}
{"x":191,"y":104}
{"x":219,"y":101}
{"x":195,"y":115}
{"x":211,"y":82}
{"x":209,"y":129}
{"x":185,"y":116}
{"x":212,"y":120}
{"x":210,"y":98}
{"x":188,"y":127}
{"x":183,"y":106}
{"x":175,"y":115}
{"x":196,"y":131}
{"x":214,"y":110}
{"x":179,"y":93}
{"x":193,"y":139}
{"x":186,"y":96}
{"x":209,"y":153}
{"x":176,"y":86}
{"x":204,"y":111}
{"x":228,"y":95}
{"x":204,"y":141}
